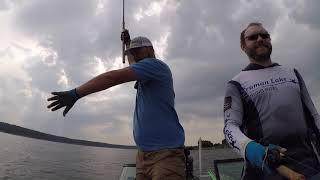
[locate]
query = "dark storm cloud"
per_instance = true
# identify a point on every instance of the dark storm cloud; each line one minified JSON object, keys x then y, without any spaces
{"x":203,"y":51}
{"x":5,"y":5}
{"x":205,"y":46}
{"x":308,"y":13}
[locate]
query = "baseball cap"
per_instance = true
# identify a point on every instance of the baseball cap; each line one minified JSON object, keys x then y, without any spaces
{"x":138,"y":42}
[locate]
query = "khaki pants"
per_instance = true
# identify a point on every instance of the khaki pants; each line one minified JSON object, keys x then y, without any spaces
{"x":167,"y":164}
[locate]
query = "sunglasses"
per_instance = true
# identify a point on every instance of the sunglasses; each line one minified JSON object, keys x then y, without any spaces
{"x":255,"y":36}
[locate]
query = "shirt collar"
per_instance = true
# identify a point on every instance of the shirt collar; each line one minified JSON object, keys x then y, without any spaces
{"x":253,"y":66}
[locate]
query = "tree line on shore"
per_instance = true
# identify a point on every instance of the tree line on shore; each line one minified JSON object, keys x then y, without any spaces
{"x":25,"y":132}
{"x":209,"y":145}
{"x":21,"y":131}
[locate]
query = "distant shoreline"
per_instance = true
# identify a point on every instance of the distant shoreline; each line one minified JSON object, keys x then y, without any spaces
{"x":21,"y":131}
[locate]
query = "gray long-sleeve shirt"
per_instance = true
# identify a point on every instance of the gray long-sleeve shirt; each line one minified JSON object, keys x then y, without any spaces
{"x":269,"y":105}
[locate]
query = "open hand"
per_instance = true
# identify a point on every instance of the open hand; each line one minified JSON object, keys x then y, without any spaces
{"x":63,"y":99}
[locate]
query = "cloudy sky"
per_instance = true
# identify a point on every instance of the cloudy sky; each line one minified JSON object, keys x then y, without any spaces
{"x":54,"y":45}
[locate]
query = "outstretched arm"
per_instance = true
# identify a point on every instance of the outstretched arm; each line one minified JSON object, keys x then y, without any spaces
{"x":101,"y":82}
{"x":106,"y":80}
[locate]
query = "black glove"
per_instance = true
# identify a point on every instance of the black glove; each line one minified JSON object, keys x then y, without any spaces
{"x":64,"y":98}
{"x":125,"y":37}
{"x":274,"y":159}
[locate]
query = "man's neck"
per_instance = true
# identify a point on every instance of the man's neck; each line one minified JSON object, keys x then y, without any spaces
{"x":264,"y":63}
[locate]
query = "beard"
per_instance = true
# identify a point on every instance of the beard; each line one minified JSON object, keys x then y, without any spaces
{"x":262,"y":56}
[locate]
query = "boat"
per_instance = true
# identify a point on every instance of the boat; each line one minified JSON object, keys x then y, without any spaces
{"x":228,"y":169}
{"x":128,"y":172}
{"x":223,"y":169}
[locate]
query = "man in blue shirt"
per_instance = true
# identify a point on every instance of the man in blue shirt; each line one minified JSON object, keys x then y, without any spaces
{"x":157,"y":132}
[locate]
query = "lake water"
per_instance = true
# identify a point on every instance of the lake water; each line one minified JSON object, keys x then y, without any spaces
{"x":25,"y":158}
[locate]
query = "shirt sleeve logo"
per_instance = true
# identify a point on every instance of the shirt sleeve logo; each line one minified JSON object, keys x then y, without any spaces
{"x":227,"y":103}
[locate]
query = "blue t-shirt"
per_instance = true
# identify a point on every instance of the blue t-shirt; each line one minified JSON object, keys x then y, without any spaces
{"x":155,"y":125}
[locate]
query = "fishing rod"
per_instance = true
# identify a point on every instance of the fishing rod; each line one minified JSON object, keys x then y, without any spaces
{"x":299,"y":163}
{"x":273,"y":158}
{"x":123,"y":28}
{"x":289,"y":173}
